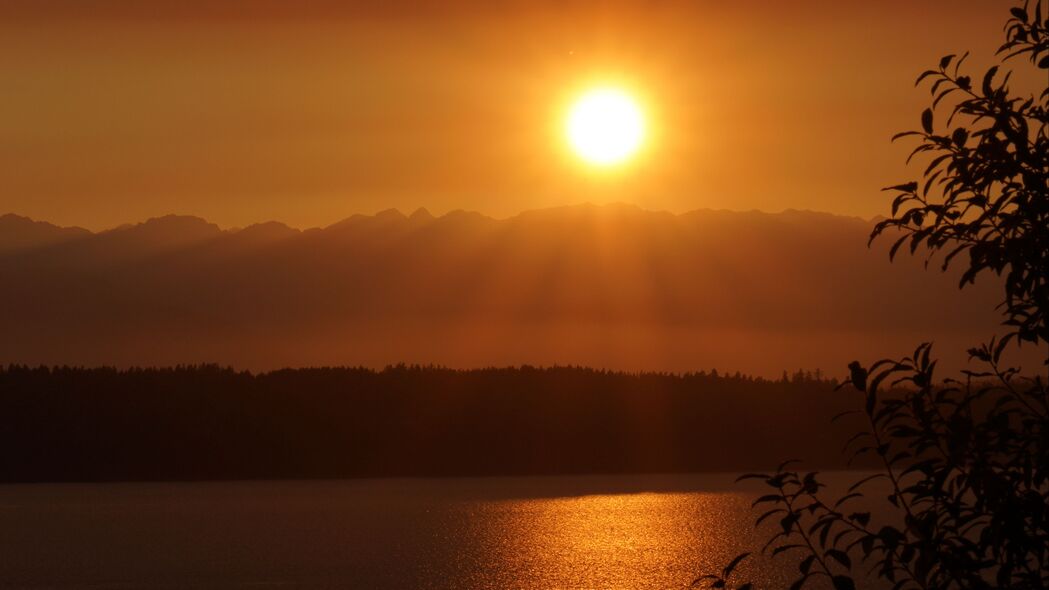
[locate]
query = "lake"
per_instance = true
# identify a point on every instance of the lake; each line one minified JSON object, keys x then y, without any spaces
{"x":652,"y":531}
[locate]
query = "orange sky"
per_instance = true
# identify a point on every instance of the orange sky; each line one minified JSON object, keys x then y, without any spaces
{"x":115,"y":111}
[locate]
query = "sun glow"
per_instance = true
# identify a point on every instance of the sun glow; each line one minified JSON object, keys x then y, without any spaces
{"x":605,"y":126}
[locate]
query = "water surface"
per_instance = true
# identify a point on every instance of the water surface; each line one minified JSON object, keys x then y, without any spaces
{"x":544,"y":532}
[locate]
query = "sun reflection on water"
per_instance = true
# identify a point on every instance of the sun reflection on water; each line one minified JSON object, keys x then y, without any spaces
{"x":645,"y":540}
{"x":464,"y":533}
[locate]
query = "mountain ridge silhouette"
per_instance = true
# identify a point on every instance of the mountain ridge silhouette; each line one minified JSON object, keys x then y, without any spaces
{"x":10,"y":221}
{"x":612,"y":286}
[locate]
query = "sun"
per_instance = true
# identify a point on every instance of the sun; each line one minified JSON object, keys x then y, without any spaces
{"x":605,"y":126}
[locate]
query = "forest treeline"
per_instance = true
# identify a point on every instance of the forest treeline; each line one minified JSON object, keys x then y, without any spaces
{"x":208,"y":422}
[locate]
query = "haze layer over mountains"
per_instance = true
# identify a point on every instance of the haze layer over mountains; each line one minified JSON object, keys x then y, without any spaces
{"x":605,"y":286}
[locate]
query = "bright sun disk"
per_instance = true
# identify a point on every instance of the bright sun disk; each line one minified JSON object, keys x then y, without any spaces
{"x":605,"y":126}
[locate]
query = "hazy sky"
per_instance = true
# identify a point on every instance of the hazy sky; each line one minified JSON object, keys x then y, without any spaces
{"x":115,"y":111}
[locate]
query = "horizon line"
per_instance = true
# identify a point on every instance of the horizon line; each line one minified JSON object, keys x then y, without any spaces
{"x":425,"y":212}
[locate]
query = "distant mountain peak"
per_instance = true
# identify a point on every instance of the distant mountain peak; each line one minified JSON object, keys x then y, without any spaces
{"x":390,"y":214}
{"x":180,"y":221}
{"x":349,"y":221}
{"x":462,"y":214}
{"x":421,"y":214}
{"x":9,"y":220}
{"x":274,"y":229}
{"x":19,"y":232}
{"x":170,"y":229}
{"x":12,"y":218}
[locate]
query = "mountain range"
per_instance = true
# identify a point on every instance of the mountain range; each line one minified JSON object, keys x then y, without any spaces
{"x":607,"y":286}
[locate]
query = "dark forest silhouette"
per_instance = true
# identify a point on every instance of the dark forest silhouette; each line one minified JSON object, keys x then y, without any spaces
{"x":207,"y":422}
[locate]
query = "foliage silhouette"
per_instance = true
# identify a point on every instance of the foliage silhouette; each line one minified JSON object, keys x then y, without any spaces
{"x":966,"y":461}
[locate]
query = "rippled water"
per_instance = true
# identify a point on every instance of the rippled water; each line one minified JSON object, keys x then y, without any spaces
{"x":548,"y":532}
